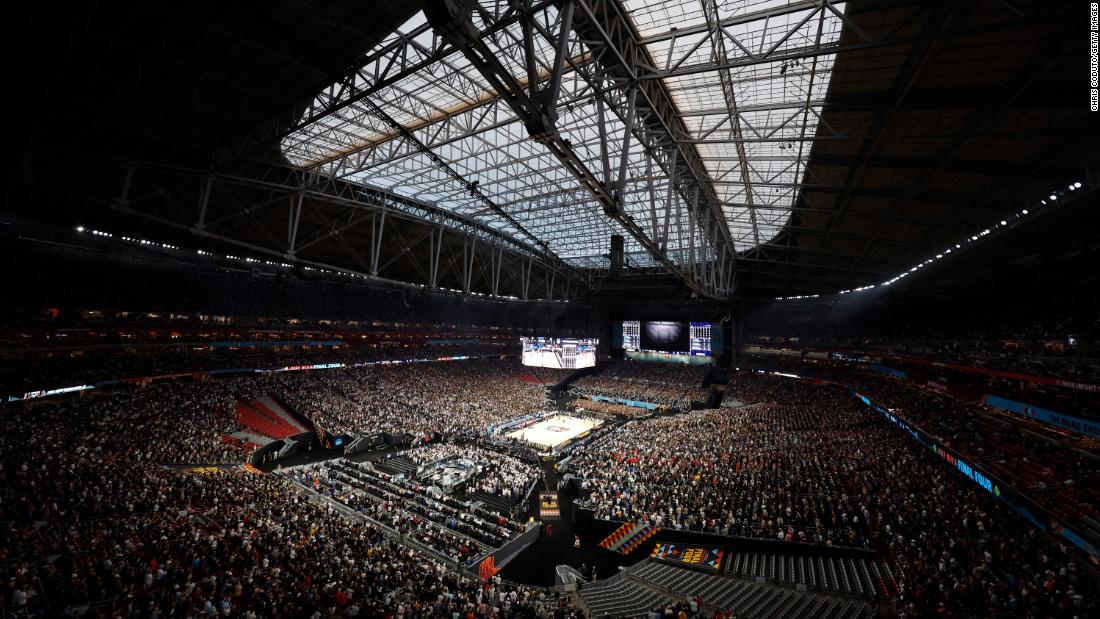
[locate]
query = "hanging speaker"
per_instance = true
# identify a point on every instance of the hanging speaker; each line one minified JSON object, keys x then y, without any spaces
{"x":616,"y":255}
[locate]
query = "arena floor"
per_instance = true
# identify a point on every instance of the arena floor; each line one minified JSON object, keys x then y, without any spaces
{"x":555,"y":430}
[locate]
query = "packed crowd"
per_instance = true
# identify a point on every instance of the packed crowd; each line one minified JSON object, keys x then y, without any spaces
{"x":1038,"y":357}
{"x":544,"y":376}
{"x":446,"y":525}
{"x":88,"y":522}
{"x":103,"y":318}
{"x":25,"y":373}
{"x":609,"y":409}
{"x":340,"y":482}
{"x":1079,"y":395}
{"x":1055,"y":469}
{"x":194,"y":418}
{"x":453,"y":398}
{"x":712,"y":471}
{"x":496,"y":473}
{"x":184,"y":422}
{"x":811,"y":464}
{"x":1075,"y":398}
{"x":665,"y":384}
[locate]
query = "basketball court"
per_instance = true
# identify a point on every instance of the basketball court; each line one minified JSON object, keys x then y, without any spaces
{"x":555,"y":430}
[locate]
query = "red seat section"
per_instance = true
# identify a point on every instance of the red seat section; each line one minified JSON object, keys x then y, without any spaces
{"x":264,"y":423}
{"x":271,"y":408}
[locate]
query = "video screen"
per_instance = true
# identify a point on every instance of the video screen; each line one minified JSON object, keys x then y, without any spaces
{"x":665,"y":336}
{"x":700,"y":338}
{"x":668,"y":337}
{"x":557,"y":353}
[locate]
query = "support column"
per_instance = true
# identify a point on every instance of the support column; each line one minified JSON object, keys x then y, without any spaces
{"x":496,"y":257}
{"x":293,"y":216}
{"x":435,"y":248}
{"x":377,"y":225}
{"x":204,"y":201}
{"x":468,"y":251}
{"x":122,"y":202}
{"x":526,"y":273}
{"x":738,"y":319}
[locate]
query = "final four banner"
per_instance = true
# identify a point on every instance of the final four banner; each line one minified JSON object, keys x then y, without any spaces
{"x":689,"y":555}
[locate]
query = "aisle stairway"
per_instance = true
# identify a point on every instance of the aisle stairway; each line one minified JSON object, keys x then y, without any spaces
{"x":492,"y":502}
{"x":651,"y":584}
{"x":268,"y":404}
{"x":620,"y":597}
{"x":745,"y":598}
{"x":866,"y":577}
{"x":267,"y":424}
{"x":398,"y":465}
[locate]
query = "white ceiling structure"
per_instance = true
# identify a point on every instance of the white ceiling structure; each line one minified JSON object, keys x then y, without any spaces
{"x":751,"y":116}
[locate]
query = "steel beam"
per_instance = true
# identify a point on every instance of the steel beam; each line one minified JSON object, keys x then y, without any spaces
{"x":372,"y":210}
{"x":405,"y":55}
{"x":453,"y":20}
{"x":675,"y":65}
{"x":609,"y":33}
{"x":718,"y":45}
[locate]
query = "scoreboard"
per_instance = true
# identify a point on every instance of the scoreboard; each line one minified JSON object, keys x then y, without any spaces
{"x":558,"y":353}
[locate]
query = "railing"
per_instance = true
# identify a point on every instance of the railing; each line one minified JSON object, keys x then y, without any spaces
{"x":527,"y":495}
{"x":1037,"y":514}
{"x":386,"y":530}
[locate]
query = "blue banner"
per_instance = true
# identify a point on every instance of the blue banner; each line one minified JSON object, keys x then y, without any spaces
{"x":634,"y":403}
{"x":890,"y":371}
{"x":1049,"y":417}
{"x":1023,"y":504}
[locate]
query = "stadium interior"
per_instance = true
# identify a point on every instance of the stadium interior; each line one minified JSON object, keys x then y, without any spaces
{"x":551,"y":308}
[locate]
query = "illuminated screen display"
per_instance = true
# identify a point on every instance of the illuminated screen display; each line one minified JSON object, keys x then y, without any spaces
{"x":632,"y":335}
{"x":546,"y":352}
{"x":700,"y":338}
{"x":665,"y":336}
{"x":668,"y":337}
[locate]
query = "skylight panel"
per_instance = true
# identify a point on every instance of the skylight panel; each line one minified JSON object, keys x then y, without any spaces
{"x":775,"y":97}
{"x":451,"y":110}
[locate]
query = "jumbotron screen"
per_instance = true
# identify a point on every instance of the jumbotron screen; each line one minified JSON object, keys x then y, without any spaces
{"x":557,"y":353}
{"x":664,"y":336}
{"x":682,"y":338}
